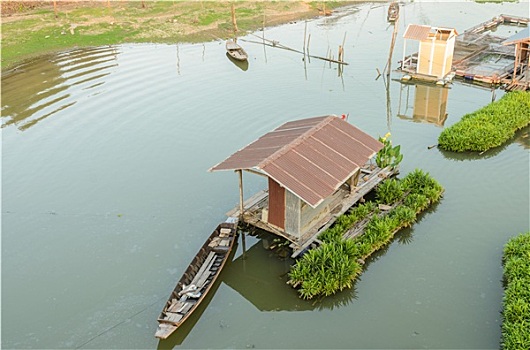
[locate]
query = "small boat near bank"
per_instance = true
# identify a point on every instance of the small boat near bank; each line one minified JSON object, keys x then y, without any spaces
{"x":235,"y":51}
{"x":393,"y":12}
{"x":198,"y":278}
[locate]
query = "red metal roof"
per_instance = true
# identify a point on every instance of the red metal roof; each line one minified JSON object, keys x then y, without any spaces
{"x":311,"y":157}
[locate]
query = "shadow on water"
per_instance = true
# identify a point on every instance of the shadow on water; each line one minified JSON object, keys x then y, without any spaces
{"x":39,"y":88}
{"x":243,"y":65}
{"x":520,"y":137}
{"x":260,"y":276}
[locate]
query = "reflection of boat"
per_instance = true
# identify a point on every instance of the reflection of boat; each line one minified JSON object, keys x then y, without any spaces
{"x":198,"y":279}
{"x":243,"y":65}
{"x":236,"y":51}
{"x":393,"y":12}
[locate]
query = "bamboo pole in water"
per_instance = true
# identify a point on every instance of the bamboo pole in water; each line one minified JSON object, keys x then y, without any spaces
{"x":241,"y":207}
{"x":234,"y":22}
{"x":394,"y":34}
{"x":280,"y":46}
{"x":305,"y":33}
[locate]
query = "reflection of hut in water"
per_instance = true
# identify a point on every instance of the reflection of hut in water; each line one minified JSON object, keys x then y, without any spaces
{"x":313,"y":168}
{"x":433,"y":61}
{"x":430,"y":103}
{"x":261,"y":279}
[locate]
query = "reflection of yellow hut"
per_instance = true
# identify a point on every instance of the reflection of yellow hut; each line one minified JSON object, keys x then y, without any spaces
{"x":435,"y":55}
{"x":430,"y":104}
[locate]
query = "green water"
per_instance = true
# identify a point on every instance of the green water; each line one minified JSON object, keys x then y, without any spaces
{"x":106,"y":197}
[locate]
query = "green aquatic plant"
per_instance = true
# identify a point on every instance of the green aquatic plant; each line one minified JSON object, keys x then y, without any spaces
{"x":388,"y":155}
{"x":334,"y":265}
{"x":420,"y":182}
{"x":404,"y":215}
{"x":389,"y":191}
{"x":326,"y":270}
{"x":417,"y":202}
{"x":490,"y":126}
{"x":516,"y":312}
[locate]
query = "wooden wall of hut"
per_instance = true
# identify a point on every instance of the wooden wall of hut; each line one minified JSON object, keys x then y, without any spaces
{"x":436,"y":55}
{"x":276,"y":204}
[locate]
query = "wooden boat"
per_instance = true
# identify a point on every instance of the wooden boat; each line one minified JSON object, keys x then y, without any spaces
{"x":393,"y":12}
{"x":198,"y":278}
{"x":235,"y":51}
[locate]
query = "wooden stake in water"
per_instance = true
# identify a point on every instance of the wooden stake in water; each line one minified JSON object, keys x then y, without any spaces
{"x":305,"y":33}
{"x":234,"y":18}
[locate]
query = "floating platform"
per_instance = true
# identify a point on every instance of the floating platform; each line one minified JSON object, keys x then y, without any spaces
{"x":481,"y":57}
{"x":255,"y":209}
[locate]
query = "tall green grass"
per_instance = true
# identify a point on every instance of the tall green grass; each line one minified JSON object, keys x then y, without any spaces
{"x":490,"y":126}
{"x":334,"y":265}
{"x":516,"y":312}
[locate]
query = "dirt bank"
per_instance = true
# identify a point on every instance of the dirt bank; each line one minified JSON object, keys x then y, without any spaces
{"x":37,"y":27}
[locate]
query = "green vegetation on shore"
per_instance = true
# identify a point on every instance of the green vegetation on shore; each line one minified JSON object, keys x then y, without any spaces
{"x":336,"y":263}
{"x":490,"y":126}
{"x":37,"y":31}
{"x":516,"y":311}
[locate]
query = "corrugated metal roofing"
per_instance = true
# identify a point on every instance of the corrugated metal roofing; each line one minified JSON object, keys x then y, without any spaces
{"x":420,"y":32}
{"x":311,"y":157}
{"x":417,"y":32}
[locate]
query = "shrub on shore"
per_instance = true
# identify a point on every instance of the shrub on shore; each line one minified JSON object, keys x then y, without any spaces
{"x":516,"y":313}
{"x":490,"y":126}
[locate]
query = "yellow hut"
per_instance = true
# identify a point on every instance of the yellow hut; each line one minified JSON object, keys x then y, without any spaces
{"x":435,"y":55}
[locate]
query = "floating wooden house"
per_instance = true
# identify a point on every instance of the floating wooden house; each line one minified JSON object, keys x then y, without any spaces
{"x":520,"y":77}
{"x":316,"y":169}
{"x":433,"y":61}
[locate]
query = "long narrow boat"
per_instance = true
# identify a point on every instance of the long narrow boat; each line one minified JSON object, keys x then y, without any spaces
{"x":235,"y":51}
{"x":393,"y":12}
{"x":198,"y":278}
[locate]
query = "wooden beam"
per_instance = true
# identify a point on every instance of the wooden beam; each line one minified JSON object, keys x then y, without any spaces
{"x":241,"y":207}
{"x":256,"y":172}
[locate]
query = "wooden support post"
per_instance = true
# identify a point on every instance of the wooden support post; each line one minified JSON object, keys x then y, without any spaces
{"x":241,"y":207}
{"x":305,"y":33}
{"x":244,"y":243}
{"x":55,"y":8}
{"x":394,"y":34}
{"x":234,"y":22}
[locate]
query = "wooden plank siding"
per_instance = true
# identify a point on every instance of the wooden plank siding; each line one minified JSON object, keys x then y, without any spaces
{"x":276,"y":204}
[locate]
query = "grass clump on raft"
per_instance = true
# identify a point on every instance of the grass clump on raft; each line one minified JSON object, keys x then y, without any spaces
{"x":516,"y":312}
{"x":334,"y":265}
{"x":490,"y":126}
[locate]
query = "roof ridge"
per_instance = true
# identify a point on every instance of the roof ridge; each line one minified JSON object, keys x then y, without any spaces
{"x":287,"y":147}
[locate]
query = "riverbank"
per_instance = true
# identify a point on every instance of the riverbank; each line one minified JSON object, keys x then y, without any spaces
{"x":30,"y":29}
